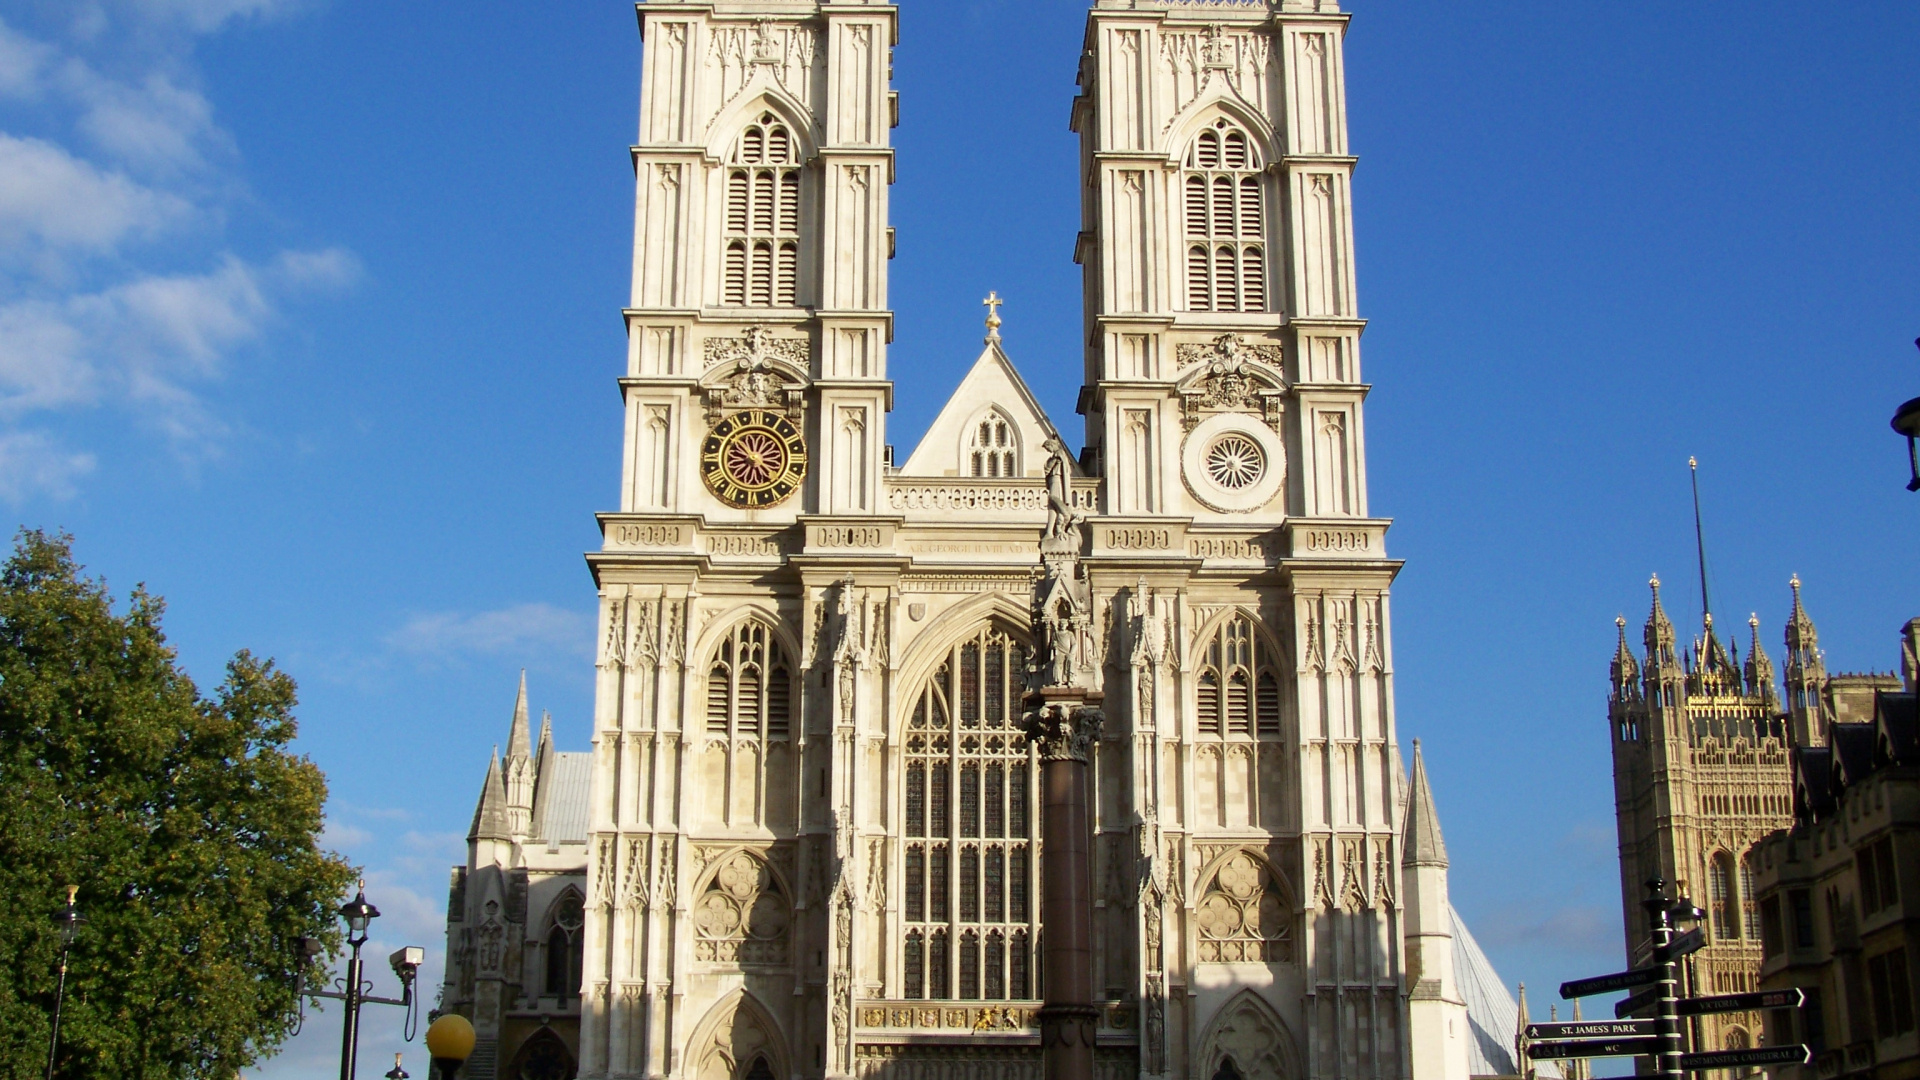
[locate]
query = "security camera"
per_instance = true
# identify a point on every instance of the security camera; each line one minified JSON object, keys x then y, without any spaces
{"x":406,"y":961}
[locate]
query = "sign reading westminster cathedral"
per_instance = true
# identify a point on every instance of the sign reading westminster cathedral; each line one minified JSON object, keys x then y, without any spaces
{"x":810,"y":834}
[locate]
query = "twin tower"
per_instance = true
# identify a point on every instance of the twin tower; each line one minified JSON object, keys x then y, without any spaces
{"x":813,"y":847}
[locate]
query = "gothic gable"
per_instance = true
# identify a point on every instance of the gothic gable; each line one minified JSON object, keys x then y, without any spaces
{"x":993,"y":394}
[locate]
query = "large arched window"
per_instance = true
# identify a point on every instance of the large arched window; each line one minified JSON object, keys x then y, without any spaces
{"x":749,"y":686}
{"x":992,"y":447}
{"x":1720,"y":895}
{"x":1225,"y":222}
{"x":972,"y":910}
{"x":1238,"y":687}
{"x":565,"y":947}
{"x":762,"y":233}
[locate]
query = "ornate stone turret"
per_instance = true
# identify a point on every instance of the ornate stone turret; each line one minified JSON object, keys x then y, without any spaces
{"x":1663,"y":660}
{"x":1760,"y":678}
{"x":1437,"y":1015}
{"x":1625,"y":669}
{"x":490,"y":817}
{"x":1806,"y":673}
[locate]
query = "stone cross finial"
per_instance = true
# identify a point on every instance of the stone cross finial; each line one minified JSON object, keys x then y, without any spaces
{"x":993,"y":303}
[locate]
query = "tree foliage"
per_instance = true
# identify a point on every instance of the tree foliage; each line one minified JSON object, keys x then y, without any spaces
{"x":188,"y":825}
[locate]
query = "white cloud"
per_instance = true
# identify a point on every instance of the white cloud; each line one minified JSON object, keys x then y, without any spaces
{"x":206,"y":16}
{"x":110,"y":203}
{"x":52,"y":199}
{"x":339,"y":836}
{"x":156,"y":124}
{"x":150,"y":339}
{"x":31,"y":464}
{"x":517,"y":630}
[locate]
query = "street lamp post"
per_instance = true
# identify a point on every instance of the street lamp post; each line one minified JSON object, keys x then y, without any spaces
{"x":69,"y":920}
{"x":352,"y":989}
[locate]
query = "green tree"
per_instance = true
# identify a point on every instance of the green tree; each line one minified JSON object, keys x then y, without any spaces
{"x":189,"y":827}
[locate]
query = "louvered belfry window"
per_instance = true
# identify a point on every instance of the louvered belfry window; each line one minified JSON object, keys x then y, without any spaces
{"x":970,"y":847}
{"x":1238,"y":689}
{"x":1225,"y":234}
{"x":749,"y":686}
{"x":763,"y":217}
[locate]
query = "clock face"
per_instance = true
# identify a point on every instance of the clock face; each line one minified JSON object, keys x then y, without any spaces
{"x":753,"y":458}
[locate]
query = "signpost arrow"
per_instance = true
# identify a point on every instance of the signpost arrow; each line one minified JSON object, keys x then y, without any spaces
{"x":1684,"y":944}
{"x":1590,"y":1029}
{"x":1796,"y":1054}
{"x":1645,"y":999}
{"x":1790,"y":998}
{"x":1607,"y":984}
{"x":1594,"y":1048}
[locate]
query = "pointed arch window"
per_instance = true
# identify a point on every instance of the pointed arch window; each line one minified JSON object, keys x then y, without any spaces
{"x":1223,"y":200}
{"x":566,"y":948}
{"x":762,"y":233}
{"x":970,"y":780}
{"x":749,"y":686}
{"x":992,"y":449}
{"x":1749,"y":898}
{"x":1238,"y":687}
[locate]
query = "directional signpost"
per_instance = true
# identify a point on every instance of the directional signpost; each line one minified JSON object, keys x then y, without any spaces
{"x":1591,"y":1029}
{"x":1795,"y":1054}
{"x":1790,"y":998}
{"x":1659,"y":1036}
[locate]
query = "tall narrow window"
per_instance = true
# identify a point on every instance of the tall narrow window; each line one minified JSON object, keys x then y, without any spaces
{"x":749,"y":686}
{"x":1238,"y":689}
{"x":992,"y":449}
{"x":1749,"y":899}
{"x":1223,"y":204}
{"x":762,"y":218}
{"x":1720,"y":895}
{"x":914,"y":963}
{"x":566,"y":947}
{"x":963,"y":736}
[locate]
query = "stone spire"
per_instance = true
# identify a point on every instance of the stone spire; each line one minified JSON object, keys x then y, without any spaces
{"x":1625,"y":669}
{"x":1424,"y":846}
{"x":490,"y":815}
{"x":518,"y":743}
{"x":1662,"y":660}
{"x":1760,"y":680}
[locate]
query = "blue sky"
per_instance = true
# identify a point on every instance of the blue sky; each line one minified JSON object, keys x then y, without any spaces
{"x":309,"y":320}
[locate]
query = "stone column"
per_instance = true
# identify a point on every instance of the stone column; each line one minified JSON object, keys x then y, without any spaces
{"x":1064,"y":722}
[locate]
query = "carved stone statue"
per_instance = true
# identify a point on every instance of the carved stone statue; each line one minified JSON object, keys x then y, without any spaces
{"x":1063,"y":521}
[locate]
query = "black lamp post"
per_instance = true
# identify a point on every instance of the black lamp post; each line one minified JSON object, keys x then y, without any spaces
{"x":353,"y":990}
{"x":1906,"y":421}
{"x":69,"y":920}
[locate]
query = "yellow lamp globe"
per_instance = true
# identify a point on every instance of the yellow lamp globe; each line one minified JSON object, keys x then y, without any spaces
{"x":450,"y":1038}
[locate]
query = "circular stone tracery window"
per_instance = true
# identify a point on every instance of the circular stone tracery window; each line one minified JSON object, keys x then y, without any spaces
{"x":1235,"y":462}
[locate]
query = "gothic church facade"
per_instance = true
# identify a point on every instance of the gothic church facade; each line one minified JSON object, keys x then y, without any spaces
{"x":812,"y":846}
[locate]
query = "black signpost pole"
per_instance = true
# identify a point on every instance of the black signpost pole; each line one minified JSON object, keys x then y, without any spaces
{"x":1666,"y":1017}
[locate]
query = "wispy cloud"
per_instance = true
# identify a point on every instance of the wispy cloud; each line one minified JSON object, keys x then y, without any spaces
{"x":522,"y":630}
{"x":1573,"y":928}
{"x":115,"y":292}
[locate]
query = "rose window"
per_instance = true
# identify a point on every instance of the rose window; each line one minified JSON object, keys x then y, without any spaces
{"x":1235,"y":461}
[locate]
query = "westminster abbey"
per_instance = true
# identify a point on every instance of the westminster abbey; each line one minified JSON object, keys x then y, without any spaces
{"x":807,"y":842}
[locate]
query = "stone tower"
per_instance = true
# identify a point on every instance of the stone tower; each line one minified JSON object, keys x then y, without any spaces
{"x":814,"y":847}
{"x":1702,"y":772}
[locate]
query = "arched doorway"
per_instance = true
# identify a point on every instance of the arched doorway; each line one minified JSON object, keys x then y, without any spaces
{"x":543,"y":1057}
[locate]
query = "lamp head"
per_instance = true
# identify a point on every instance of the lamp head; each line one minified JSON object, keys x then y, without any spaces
{"x":358,"y":913}
{"x":450,"y":1038}
{"x":397,"y":1072}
